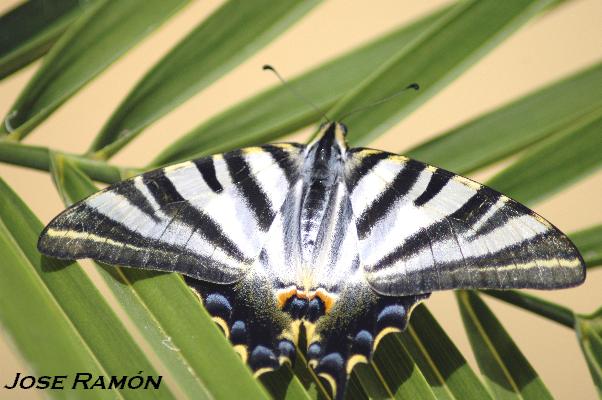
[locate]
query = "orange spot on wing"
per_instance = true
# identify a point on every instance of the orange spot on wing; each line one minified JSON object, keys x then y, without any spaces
{"x":283,"y":295}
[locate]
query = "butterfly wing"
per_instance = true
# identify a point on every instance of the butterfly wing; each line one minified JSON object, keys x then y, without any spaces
{"x":247,"y":314}
{"x":206,"y":218}
{"x":421,"y":229}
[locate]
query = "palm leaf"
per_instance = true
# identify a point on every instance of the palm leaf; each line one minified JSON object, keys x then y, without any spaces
{"x":68,"y":290}
{"x":507,"y":372}
{"x":105,"y":32}
{"x":30,"y":29}
{"x":218,"y":44}
{"x":560,"y":119}
{"x":514,"y":126}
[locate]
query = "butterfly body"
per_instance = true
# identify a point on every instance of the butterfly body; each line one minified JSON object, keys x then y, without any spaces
{"x":341,"y":242}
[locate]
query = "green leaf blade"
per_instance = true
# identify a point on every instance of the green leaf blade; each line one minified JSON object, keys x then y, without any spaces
{"x":555,"y":163}
{"x":398,"y":372}
{"x":226,"y":38}
{"x":100,"y":36}
{"x":274,"y":113}
{"x":433,"y":60}
{"x":90,"y":315}
{"x":41,"y":332}
{"x":545,"y":308}
{"x":31,"y":28}
{"x":442,"y":364}
{"x":283,"y":384}
{"x":514,"y":126}
{"x":38,"y":157}
{"x":195,"y":335}
{"x":508,"y":373}
{"x":589,"y":243}
{"x":589,"y":332}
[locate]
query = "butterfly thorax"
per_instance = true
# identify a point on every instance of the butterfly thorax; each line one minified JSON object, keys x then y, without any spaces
{"x":322,"y":172}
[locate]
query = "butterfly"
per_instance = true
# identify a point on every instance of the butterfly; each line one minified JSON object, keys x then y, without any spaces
{"x":339,"y":242}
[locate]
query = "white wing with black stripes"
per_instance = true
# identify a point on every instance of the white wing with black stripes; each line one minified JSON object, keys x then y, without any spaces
{"x":206,"y":218}
{"x":421,"y":229}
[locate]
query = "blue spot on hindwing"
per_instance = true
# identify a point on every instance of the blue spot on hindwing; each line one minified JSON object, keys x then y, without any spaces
{"x":218,"y":305}
{"x":238,"y":332}
{"x":287,"y":349}
{"x":315,"y":310}
{"x":362,"y":343}
{"x":332,"y":363}
{"x":262,"y":357}
{"x":393,"y":315}
{"x":314,"y":351}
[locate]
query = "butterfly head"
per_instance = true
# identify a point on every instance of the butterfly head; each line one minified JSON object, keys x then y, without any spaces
{"x":326,"y":153}
{"x":331,"y":135}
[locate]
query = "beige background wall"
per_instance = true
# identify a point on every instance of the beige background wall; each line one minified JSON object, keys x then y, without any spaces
{"x":550,"y":47}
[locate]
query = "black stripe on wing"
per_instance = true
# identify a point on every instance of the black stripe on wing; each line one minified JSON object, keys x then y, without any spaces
{"x":365,"y":165}
{"x":533,"y":263}
{"x":399,"y":187}
{"x":130,"y":192}
{"x":285,"y":160}
{"x":206,"y":167}
{"x":468,"y":214}
{"x":250,"y":189}
{"x":437,"y":182}
{"x":500,"y":217}
{"x":180,"y":209}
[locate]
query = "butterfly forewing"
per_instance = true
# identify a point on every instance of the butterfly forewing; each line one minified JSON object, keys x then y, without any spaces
{"x":423,"y":229}
{"x":206,"y":218}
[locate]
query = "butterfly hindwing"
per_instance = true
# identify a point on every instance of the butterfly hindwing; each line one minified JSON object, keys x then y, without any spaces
{"x":445,"y":231}
{"x":247,"y":313}
{"x":206,"y":218}
{"x":350,"y":332}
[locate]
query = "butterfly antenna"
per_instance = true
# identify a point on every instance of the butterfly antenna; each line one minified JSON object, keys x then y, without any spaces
{"x":295,"y":93}
{"x":414,"y":86}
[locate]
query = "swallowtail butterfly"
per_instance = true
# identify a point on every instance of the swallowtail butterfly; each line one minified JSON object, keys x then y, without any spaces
{"x":343,"y":242}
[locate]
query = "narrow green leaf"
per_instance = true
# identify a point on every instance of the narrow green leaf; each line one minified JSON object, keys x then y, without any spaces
{"x":433,"y":60}
{"x":589,"y":243}
{"x":230,"y":35}
{"x":189,"y":330}
{"x":30,"y":29}
{"x":274,"y":113}
{"x":515,"y":126}
{"x":589,"y":332}
{"x":441,"y":363}
{"x":507,"y":372}
{"x":283,"y":384}
{"x":38,"y":157}
{"x":105,"y":31}
{"x":308,"y":378}
{"x":371,"y":384}
{"x":397,"y":372}
{"x":355,"y":390}
{"x":555,"y":163}
{"x":194,"y":333}
{"x":35,"y":323}
{"x":545,"y":308}
{"x":76,"y":295}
